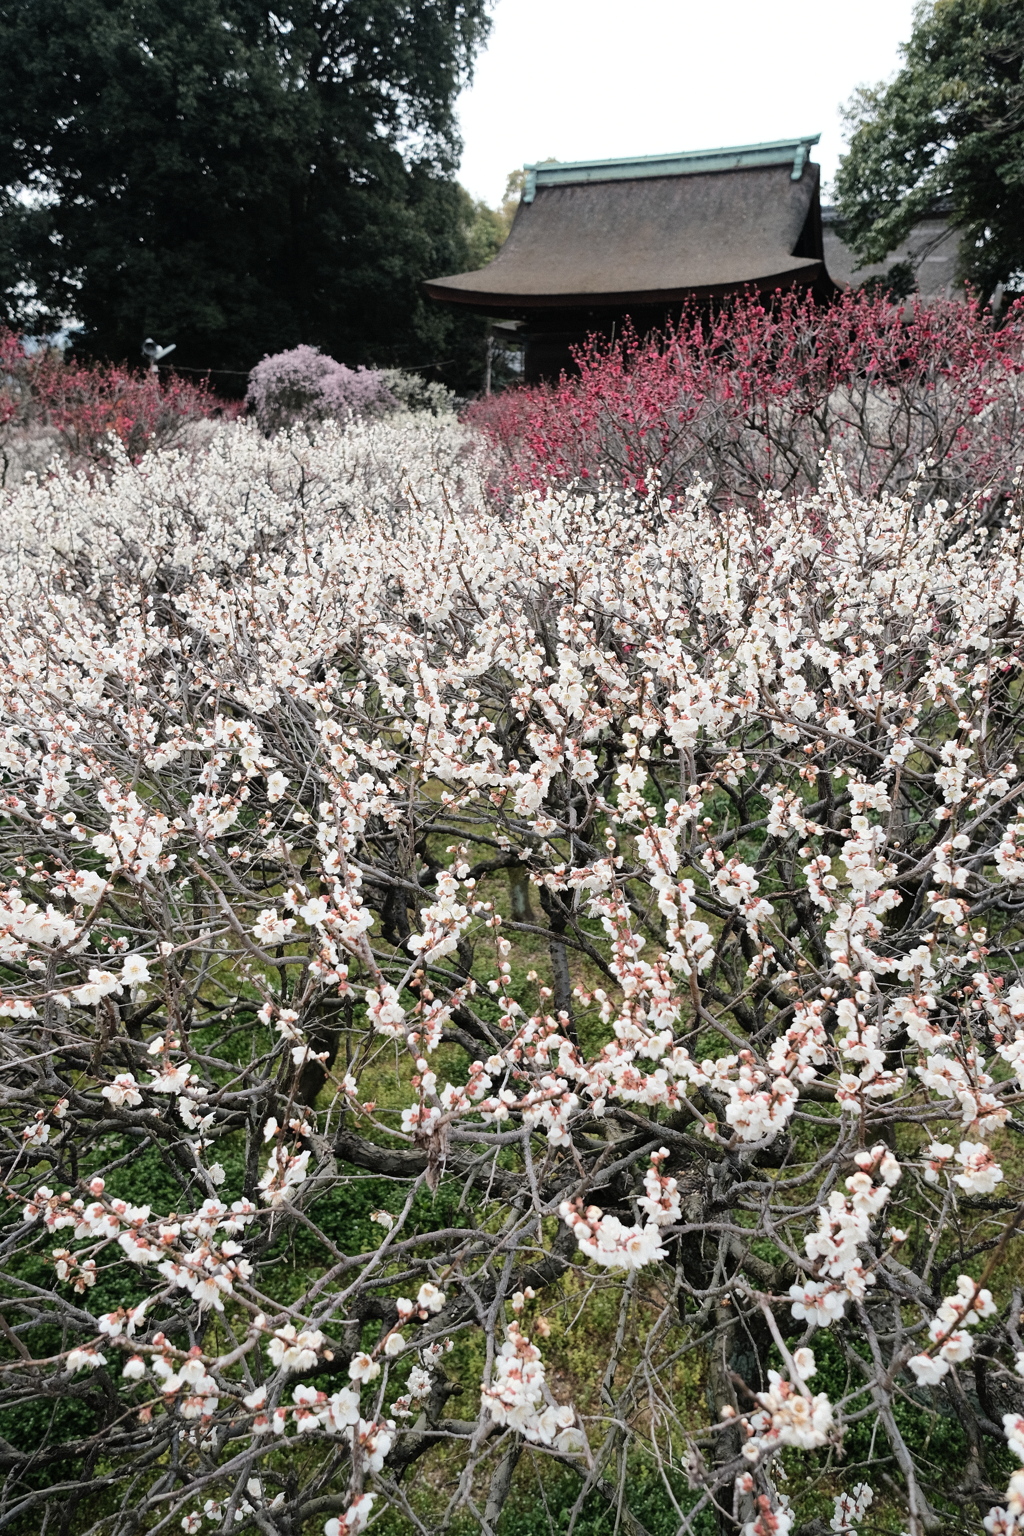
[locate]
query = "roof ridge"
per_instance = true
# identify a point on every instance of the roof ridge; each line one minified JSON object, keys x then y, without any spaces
{"x":689,"y":162}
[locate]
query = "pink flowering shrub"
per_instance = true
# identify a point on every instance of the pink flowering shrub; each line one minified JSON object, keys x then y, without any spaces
{"x":752,"y":398}
{"x":84,"y":406}
{"x":303,"y":385}
{"x":502,"y":994}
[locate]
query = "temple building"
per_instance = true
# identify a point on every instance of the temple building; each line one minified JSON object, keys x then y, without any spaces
{"x":929,"y":257}
{"x":595,"y":241}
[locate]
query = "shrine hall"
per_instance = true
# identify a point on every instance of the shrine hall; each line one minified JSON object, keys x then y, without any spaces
{"x":596,"y":241}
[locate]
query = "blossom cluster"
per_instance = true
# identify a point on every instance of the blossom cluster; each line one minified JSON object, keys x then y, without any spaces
{"x":517,"y":1395}
{"x":844,"y":1227}
{"x":789,"y":1414}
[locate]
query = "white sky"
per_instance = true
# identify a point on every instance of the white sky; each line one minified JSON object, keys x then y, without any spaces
{"x":582,"y":79}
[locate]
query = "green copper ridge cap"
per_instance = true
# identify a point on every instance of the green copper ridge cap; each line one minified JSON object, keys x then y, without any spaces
{"x":691,"y":162}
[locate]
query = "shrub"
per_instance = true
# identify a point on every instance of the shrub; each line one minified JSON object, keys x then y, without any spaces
{"x":79,"y":408}
{"x":414,"y":393}
{"x":752,"y":398}
{"x":268,"y":495}
{"x":326,"y":1162}
{"x":304,"y":386}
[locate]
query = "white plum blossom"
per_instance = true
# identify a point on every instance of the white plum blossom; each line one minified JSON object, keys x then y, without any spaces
{"x":660,"y":1201}
{"x":85,"y":1359}
{"x":850,"y":1509}
{"x":124,"y":1090}
{"x":386,"y":1011}
{"x":517,"y":1395}
{"x":277,"y":783}
{"x":937,"y":1154}
{"x":951,"y":1343}
{"x":419,"y":1383}
{"x":608,"y":1242}
{"x":286,"y":1171}
{"x":292,"y":1350}
{"x":981,"y":1173}
{"x":353,"y":1521}
{"x":804,"y":1361}
{"x":362,"y":1368}
{"x":135,"y":971}
{"x":429,"y":1298}
{"x":269,"y":928}
{"x":100,"y":985}
{"x":789,"y":1416}
{"x":844,"y":1224}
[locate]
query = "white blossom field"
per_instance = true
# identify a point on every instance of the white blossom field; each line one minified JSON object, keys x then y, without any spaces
{"x":511,"y":1006}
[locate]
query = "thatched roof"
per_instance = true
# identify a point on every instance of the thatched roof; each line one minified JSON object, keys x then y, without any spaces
{"x":654,"y":230}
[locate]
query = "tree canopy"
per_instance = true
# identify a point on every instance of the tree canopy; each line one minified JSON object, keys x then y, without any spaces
{"x":234,"y":177}
{"x":949,"y":126}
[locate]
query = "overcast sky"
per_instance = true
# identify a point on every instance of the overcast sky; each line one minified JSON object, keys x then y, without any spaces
{"x":581,"y":79}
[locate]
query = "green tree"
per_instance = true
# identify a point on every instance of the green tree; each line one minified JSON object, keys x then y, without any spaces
{"x":488,"y":228}
{"x":486,"y":231}
{"x":234,"y":177}
{"x":949,"y":126}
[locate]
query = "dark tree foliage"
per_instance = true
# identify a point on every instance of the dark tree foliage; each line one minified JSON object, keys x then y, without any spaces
{"x":234,"y":177}
{"x":949,"y":126}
